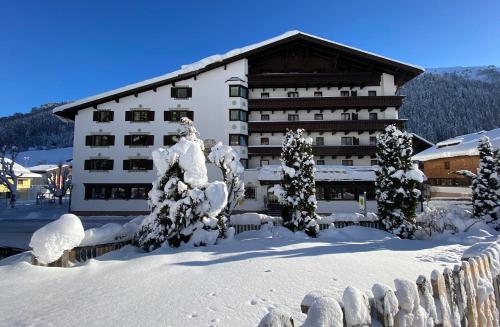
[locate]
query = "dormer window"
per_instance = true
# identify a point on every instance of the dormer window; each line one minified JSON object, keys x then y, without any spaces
{"x":181,"y":92}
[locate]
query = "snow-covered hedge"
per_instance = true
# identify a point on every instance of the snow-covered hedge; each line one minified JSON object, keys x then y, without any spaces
{"x":350,"y":217}
{"x":112,"y":232}
{"x":253,"y":218}
{"x":50,"y":241}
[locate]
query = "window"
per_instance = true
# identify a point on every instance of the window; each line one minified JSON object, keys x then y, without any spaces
{"x":238,"y":139}
{"x":138,"y":164}
{"x":320,"y":162}
{"x":372,"y":93}
{"x":320,"y":140}
{"x":139,"y":140}
{"x":139,"y":115}
{"x":348,"y":192}
{"x":116,"y":191}
{"x":293,"y":117}
{"x":320,"y":193}
{"x":98,"y":164}
{"x":354,"y":93}
{"x":264,"y":117}
{"x":344,"y":93}
{"x":373,"y":116}
{"x":346,"y":140}
{"x":237,"y":115}
{"x":181,"y":92}
{"x":238,"y":91}
{"x":170,"y":139}
{"x":264,"y":140}
{"x":103,"y":116}
{"x":293,"y":94}
{"x":373,"y":140}
{"x":250,"y":192}
{"x":374,"y":162}
{"x":244,"y":163}
{"x":446,"y":165}
{"x":99,"y":140}
{"x":318,"y":116}
{"x":176,"y":115}
{"x":264,"y":95}
{"x":347,"y":162}
{"x":345,"y":116}
{"x":354,"y":116}
{"x":264,"y":163}
{"x":318,"y":93}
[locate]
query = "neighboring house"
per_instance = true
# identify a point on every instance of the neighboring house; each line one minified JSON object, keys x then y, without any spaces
{"x":247,"y":98}
{"x":420,"y":144}
{"x":24,"y":181}
{"x":441,"y":161}
{"x":46,"y":170}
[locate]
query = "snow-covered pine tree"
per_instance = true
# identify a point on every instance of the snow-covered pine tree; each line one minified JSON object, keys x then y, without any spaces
{"x":228,"y":161}
{"x":298,"y":195}
{"x":397,"y":183}
{"x":184,"y":205}
{"x":486,"y":185}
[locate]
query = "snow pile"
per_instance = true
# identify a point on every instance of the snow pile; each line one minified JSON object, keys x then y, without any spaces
{"x":324,"y":311}
{"x":481,"y":248}
{"x":355,"y":234}
{"x":350,"y":217}
{"x":276,"y":318}
{"x":50,"y":241}
{"x":101,"y":235}
{"x":253,"y":218}
{"x":356,"y":307}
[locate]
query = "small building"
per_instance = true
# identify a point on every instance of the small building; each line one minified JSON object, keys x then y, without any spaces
{"x":45,"y":170}
{"x":24,"y":181}
{"x":441,"y":162}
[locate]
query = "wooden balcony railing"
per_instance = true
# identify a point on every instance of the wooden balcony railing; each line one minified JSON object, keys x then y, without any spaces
{"x":361,"y":102}
{"x":323,"y":125}
{"x":344,"y":150}
{"x":313,"y":80}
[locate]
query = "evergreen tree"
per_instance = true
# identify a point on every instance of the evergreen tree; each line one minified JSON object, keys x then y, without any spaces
{"x":184,"y":205}
{"x":486,"y":185}
{"x":397,"y":182}
{"x":228,"y":161}
{"x":298,"y":195}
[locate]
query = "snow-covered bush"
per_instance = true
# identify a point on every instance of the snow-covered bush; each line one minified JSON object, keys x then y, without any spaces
{"x":398,"y":182}
{"x":228,"y":161}
{"x":50,"y":241}
{"x":486,"y":184}
{"x":183,"y":203}
{"x":298,"y":194}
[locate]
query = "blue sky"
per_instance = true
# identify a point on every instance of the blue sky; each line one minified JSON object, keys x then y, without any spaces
{"x":62,"y":50}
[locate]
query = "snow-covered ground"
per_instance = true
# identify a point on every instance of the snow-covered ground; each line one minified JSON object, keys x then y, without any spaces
{"x":234,"y":283}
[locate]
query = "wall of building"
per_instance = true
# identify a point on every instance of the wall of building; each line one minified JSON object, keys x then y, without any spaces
{"x":443,"y":168}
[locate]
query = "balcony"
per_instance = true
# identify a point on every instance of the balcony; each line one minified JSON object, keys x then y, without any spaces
{"x":344,"y":150}
{"x":359,"y":102}
{"x":313,"y":80}
{"x":324,"y":125}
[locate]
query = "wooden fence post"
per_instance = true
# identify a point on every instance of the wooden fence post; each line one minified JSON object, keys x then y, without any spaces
{"x":480,"y":307}
{"x":461,"y":297}
{"x":451,"y":297}
{"x":489,"y":302}
{"x":470,"y":291}
{"x":492,"y":256}
{"x":425,"y":293}
{"x":440,"y":299}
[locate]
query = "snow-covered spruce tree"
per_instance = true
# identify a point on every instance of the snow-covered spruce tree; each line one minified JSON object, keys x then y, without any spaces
{"x":298,"y":193}
{"x":184,"y":205}
{"x":486,"y":184}
{"x":397,"y":183}
{"x":228,"y":161}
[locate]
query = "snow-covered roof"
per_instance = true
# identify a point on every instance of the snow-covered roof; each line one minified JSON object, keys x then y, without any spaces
{"x":187,"y":71}
{"x":22,"y":171}
{"x":45,"y":157}
{"x":323,"y":173}
{"x":464,"y":145}
{"x":45,"y":168}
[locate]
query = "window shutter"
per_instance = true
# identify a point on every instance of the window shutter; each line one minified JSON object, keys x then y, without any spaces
{"x":111,"y":139}
{"x":189,"y":92}
{"x":110,"y":164}
{"x":151,"y":115}
{"x":96,"y":115}
{"x":88,"y":140}
{"x":167,"y":116}
{"x":355,"y":141}
{"x":148,"y":164}
{"x":111,"y":115}
{"x":128,"y":139}
{"x":354,"y":116}
{"x":126,"y":164}
{"x":87,"y":165}
{"x":173,"y":92}
{"x":88,"y":192}
{"x":190,"y":115}
{"x":128,"y":115}
{"x":150,"y":140}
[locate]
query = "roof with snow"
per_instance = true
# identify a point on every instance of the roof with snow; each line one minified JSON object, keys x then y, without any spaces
{"x":324,"y":173}
{"x":187,"y":71}
{"x":45,"y":157}
{"x":464,"y":145}
{"x":45,"y":168}
{"x":22,"y":171}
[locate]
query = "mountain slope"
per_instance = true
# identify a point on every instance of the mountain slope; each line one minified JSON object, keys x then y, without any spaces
{"x":36,"y":129}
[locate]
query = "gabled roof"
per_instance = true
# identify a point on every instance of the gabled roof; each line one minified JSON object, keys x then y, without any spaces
{"x":464,"y":145}
{"x":187,"y":71}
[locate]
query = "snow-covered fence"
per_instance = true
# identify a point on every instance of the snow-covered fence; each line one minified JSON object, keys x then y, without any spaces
{"x":81,"y":254}
{"x":6,"y":251}
{"x":467,"y":295}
